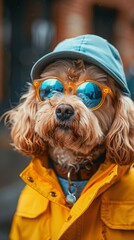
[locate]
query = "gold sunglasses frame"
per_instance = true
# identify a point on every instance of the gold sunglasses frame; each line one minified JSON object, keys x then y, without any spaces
{"x":72,"y":87}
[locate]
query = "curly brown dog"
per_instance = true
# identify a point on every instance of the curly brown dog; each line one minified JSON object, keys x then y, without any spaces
{"x":77,"y":122}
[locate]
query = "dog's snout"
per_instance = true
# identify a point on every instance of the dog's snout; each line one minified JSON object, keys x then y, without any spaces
{"x":64,"y":111}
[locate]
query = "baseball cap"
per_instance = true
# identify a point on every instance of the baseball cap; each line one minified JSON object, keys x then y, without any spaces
{"x":93,"y":50}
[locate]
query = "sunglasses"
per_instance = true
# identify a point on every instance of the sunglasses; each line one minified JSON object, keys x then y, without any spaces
{"x":90,"y":92}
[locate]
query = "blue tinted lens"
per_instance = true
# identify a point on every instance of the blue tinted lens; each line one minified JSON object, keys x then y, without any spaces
{"x":49,"y":87}
{"x":90,"y":93}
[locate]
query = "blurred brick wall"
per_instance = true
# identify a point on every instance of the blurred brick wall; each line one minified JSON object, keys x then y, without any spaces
{"x":75,"y":17}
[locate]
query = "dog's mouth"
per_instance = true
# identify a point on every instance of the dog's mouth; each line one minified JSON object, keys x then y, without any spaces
{"x":65,"y":129}
{"x":65,"y":126}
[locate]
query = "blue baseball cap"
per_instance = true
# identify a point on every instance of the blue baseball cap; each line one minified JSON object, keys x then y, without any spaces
{"x":93,"y":50}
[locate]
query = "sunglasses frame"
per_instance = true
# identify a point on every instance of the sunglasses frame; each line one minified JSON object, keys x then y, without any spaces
{"x":72,"y":87}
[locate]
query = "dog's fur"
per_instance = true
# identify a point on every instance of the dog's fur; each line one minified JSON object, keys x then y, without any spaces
{"x":35,"y":128}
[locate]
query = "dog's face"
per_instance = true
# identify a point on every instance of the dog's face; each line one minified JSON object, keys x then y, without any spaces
{"x":66,"y":121}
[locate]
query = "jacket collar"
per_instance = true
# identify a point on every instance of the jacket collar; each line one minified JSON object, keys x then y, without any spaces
{"x":44,"y":180}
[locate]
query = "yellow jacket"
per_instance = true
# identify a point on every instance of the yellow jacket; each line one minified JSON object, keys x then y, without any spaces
{"x":104,"y":211}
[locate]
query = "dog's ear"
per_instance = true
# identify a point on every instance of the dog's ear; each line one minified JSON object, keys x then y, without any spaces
{"x":22,"y":122}
{"x":120,"y":139}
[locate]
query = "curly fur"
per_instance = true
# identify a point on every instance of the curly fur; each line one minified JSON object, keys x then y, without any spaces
{"x":34,"y":124}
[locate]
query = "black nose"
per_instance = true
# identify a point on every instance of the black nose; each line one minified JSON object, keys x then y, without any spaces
{"x":64,"y":111}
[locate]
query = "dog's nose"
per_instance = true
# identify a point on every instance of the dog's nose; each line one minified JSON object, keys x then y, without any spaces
{"x":64,"y":111}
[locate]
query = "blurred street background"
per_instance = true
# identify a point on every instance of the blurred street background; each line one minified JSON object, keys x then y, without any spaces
{"x":28,"y":30}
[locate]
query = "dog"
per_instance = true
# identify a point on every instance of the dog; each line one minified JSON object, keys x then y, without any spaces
{"x":77,"y":122}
